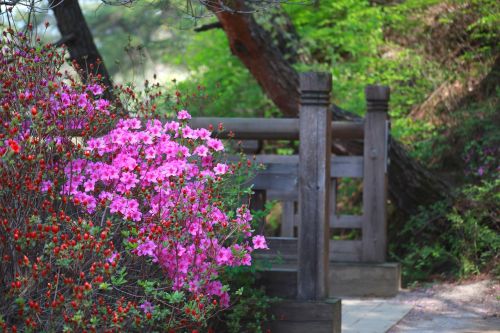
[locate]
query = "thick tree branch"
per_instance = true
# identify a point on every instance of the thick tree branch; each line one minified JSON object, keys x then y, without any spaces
{"x":410,"y":184}
{"x":254,"y":47}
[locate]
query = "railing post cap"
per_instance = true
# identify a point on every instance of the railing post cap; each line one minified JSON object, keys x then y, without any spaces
{"x":377,"y":93}
{"x":315,"y":81}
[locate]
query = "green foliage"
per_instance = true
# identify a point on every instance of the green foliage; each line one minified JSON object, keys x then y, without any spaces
{"x":463,"y":238}
{"x":455,"y":241}
{"x":122,"y":33}
{"x":349,"y":38}
{"x":469,"y":142}
{"x":230,"y":87}
{"x":482,"y":138}
{"x":250,"y":310}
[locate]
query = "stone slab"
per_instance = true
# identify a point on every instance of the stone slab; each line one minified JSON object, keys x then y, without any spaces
{"x":371,"y":316}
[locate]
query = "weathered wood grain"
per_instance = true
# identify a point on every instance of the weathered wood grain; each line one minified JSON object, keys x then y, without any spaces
{"x":287,"y":218}
{"x":272,"y":128}
{"x":280,"y":175}
{"x":375,"y":178}
{"x":314,"y":185}
{"x":286,"y":248}
{"x":346,"y":221}
{"x":312,"y":317}
{"x":346,"y":250}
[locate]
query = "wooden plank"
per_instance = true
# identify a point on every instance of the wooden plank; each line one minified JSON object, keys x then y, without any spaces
{"x":251,"y":128}
{"x":287,"y":247}
{"x":346,"y":250}
{"x":340,"y":166}
{"x":346,"y":221}
{"x":287,"y":218}
{"x":281,"y":245}
{"x":314,"y":185}
{"x":279,"y":175}
{"x":375,"y":177}
{"x":283,"y":195}
{"x":275,"y":182}
{"x":304,"y":326}
{"x":272,"y":128}
{"x":279,"y":282}
{"x":347,"y":167}
{"x":306,"y":311}
{"x":250,"y":146}
{"x":277,"y":159}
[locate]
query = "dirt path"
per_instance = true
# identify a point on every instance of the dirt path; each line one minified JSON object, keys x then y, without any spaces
{"x":452,"y":308}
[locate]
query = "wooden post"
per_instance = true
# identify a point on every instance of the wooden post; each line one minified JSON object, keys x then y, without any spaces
{"x":314,"y":185}
{"x":375,"y":175}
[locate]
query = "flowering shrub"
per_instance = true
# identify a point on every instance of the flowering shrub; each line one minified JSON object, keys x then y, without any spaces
{"x":124,"y":231}
{"x":165,"y":180}
{"x":41,"y":241}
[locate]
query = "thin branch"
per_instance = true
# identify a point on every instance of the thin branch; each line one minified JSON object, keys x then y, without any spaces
{"x":210,"y":26}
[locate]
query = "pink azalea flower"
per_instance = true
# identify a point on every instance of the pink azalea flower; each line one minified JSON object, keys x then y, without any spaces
{"x":259,"y":242}
{"x":246,"y":260}
{"x":46,"y":185}
{"x":221,"y":169}
{"x":183,"y":114}
{"x":147,"y":307}
{"x":224,"y":256}
{"x":203,"y":133}
{"x":112,"y":257}
{"x":96,"y":89}
{"x":82,"y":100}
{"x":215,"y":144}
{"x":65,"y":99}
{"x":146,"y":249}
{"x":201,"y":151}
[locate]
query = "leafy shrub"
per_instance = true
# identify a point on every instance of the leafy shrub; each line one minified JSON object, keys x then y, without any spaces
{"x":127,"y":230}
{"x":456,"y":241}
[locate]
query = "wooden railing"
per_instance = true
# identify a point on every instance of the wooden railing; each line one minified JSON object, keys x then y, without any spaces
{"x":306,"y":183}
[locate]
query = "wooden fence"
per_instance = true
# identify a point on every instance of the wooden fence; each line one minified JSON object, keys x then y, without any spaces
{"x":306,"y":184}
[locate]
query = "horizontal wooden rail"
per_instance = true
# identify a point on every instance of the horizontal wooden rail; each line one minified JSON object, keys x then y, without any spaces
{"x":286,"y":249}
{"x":346,"y":221}
{"x":273,"y":128}
{"x":341,"y":166}
{"x":280,"y":178}
{"x":336,"y":221}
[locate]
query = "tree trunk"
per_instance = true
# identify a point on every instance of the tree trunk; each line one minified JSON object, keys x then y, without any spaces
{"x":78,"y":38}
{"x":254,"y":47}
{"x":411,"y":185}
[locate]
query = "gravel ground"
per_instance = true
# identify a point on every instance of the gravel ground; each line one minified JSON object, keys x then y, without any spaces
{"x":452,"y":308}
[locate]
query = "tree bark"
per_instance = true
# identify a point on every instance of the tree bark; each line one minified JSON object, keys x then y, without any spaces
{"x":77,"y":37}
{"x":254,"y":47}
{"x":411,"y":185}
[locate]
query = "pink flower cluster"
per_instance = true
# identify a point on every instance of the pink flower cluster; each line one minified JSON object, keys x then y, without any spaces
{"x":166,"y":179}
